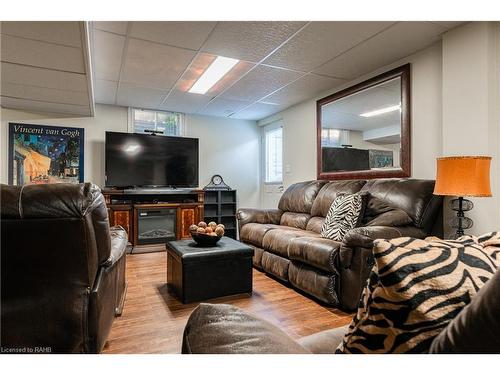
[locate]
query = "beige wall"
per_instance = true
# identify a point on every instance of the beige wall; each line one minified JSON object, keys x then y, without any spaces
{"x":471,"y":105}
{"x":227,"y":147}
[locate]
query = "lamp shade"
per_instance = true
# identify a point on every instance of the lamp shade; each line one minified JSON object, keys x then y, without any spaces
{"x":463,"y":176}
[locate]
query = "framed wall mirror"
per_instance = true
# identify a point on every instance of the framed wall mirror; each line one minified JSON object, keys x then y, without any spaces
{"x":364,"y":130}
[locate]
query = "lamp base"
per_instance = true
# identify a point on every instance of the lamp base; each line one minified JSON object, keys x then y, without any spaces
{"x":461,"y":222}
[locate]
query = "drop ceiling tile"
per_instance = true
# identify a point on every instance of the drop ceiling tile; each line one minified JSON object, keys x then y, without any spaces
{"x":66,"y":33}
{"x":130,"y":95}
{"x":117,"y":27}
{"x":37,"y":106}
{"x":44,"y":94}
{"x":261,"y":81}
{"x":223,"y":107}
{"x":257,"y":111}
{"x":201,"y":62}
{"x":40,"y":77}
{"x":107,"y":56}
{"x":179,"y":101}
{"x":319,"y":42}
{"x":41,"y":54}
{"x":304,"y":88}
{"x":105,"y":91}
{"x":398,"y":41}
{"x":189,"y":35}
{"x":250,"y":41}
{"x":154,"y":65}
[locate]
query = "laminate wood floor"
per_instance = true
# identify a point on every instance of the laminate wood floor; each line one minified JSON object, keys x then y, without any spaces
{"x":153,"y":318}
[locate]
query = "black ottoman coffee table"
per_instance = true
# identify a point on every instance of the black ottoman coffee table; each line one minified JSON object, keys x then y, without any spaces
{"x":198,"y":273}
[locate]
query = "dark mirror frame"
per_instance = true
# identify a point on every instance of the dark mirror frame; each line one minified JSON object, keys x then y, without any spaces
{"x":403,"y":72}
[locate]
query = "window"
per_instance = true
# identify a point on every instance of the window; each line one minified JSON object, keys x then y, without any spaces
{"x":146,"y":121}
{"x":330,"y":137}
{"x":334,"y":137}
{"x":273,"y":149}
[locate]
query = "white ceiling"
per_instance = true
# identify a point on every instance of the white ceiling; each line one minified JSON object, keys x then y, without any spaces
{"x":45,"y":67}
{"x":153,"y":64}
{"x":345,"y":113}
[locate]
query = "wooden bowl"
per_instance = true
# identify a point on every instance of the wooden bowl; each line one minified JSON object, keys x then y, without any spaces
{"x":205,"y":240}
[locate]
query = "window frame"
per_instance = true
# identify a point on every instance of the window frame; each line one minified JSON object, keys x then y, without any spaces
{"x":131,"y":123}
{"x":265,"y":129}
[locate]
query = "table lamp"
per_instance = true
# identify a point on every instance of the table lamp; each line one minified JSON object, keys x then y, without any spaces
{"x":463,"y":176}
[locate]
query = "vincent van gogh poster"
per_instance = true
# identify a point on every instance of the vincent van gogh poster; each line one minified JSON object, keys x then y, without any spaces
{"x":40,"y":154}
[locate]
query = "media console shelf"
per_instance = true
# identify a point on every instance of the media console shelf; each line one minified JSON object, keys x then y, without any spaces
{"x":154,"y":216}
{"x":220,"y":206}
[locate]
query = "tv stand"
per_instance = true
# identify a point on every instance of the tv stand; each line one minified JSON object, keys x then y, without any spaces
{"x":127,"y":207}
{"x":150,"y":191}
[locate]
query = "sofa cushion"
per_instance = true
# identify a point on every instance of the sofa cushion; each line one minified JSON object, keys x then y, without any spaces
{"x":226,"y":329}
{"x":477,"y":328}
{"x":299,"y":197}
{"x":295,"y":220}
{"x":379,"y":212}
{"x":315,"y":224}
{"x":345,"y":214}
{"x":415,"y":289}
{"x":253,"y":233}
{"x":329,"y":192}
{"x":277,"y":240}
{"x":317,"y":252}
{"x":415,"y":197}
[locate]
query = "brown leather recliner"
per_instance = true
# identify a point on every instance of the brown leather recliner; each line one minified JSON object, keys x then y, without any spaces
{"x":288,"y":245}
{"x":63,"y":269}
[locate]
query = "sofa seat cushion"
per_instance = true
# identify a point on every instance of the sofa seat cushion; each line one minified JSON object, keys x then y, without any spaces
{"x":317,"y":252}
{"x":276,"y":241}
{"x":253,"y":233}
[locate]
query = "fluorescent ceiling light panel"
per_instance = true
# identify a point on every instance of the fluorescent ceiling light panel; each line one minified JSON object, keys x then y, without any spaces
{"x":381,"y":111}
{"x":216,"y":70}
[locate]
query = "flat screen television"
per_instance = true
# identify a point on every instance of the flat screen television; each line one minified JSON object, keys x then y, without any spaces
{"x":143,"y":160}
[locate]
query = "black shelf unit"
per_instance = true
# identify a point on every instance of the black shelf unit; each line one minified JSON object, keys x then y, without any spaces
{"x":220,"y":206}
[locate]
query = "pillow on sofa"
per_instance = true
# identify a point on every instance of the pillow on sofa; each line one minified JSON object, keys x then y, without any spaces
{"x":416,"y":287}
{"x":344,"y":214}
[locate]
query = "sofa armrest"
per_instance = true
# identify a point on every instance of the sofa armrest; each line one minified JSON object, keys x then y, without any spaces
{"x":364,"y":236}
{"x":324,"y":342}
{"x":226,"y":329}
{"x":119,"y":240}
{"x":261,"y":216}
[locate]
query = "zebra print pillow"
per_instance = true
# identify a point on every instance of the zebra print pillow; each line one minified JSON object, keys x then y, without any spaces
{"x":415,"y":288}
{"x":344,"y":214}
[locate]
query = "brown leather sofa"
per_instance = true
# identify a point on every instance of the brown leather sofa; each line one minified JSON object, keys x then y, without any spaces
{"x":288,"y":245}
{"x":63,"y":269}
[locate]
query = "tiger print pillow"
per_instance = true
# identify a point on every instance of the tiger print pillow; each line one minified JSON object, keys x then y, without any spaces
{"x":344,"y":214}
{"x":415,"y":288}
